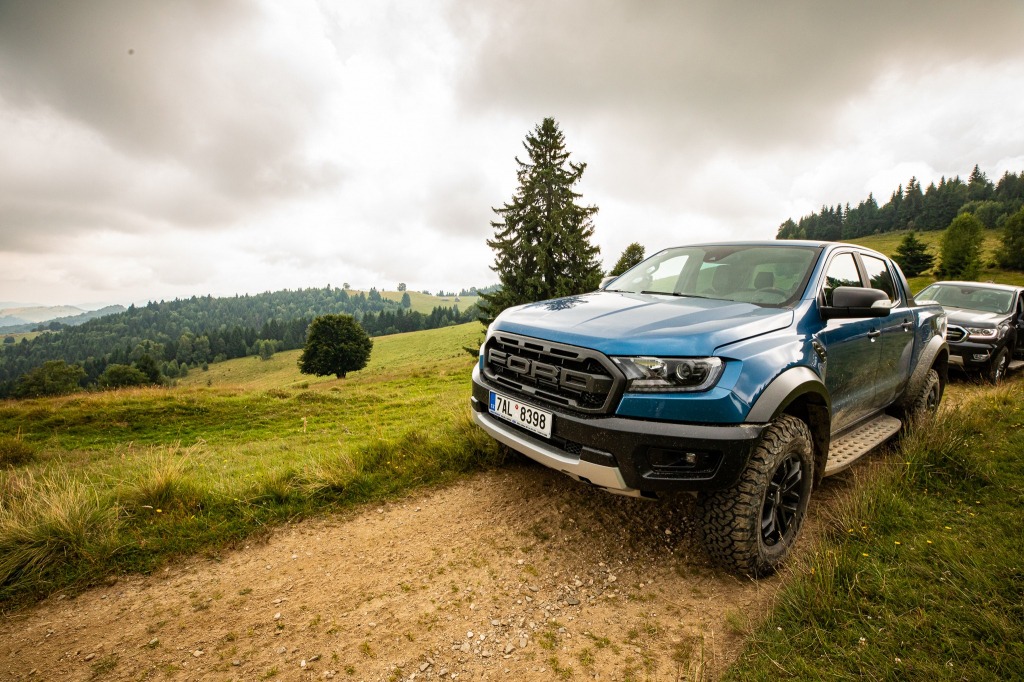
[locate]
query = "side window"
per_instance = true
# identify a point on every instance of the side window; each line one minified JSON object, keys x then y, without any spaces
{"x":879,"y":276}
{"x":842,"y":272}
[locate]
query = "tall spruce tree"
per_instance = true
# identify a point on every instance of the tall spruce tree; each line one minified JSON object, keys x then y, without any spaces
{"x":542,"y":240}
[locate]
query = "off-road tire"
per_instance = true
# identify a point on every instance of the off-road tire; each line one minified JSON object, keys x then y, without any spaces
{"x":737,"y":523}
{"x":926,"y":401}
{"x":996,"y":369}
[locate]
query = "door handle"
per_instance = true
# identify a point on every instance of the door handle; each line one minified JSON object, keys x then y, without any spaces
{"x":874,"y":334}
{"x":907,"y":325}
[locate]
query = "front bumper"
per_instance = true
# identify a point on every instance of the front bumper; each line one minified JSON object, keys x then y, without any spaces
{"x":971,"y":355}
{"x":626,"y":455}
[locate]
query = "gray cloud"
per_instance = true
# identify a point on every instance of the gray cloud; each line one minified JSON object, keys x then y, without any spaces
{"x":699,"y":75}
{"x":155,"y":149}
{"x":188,"y":92}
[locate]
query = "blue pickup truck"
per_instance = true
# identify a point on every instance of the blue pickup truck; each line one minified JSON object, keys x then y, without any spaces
{"x":741,"y":372}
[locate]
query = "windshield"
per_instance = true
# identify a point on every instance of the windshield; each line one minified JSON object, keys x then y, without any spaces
{"x":764,"y":275}
{"x":968,"y":297}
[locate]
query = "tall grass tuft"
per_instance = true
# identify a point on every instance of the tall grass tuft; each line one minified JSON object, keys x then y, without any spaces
{"x":63,"y":522}
{"x":164,"y":483}
{"x":15,"y":452}
{"x":944,"y":451}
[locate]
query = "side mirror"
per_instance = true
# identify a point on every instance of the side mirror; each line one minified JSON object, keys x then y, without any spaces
{"x":606,"y":281}
{"x":856,"y":302}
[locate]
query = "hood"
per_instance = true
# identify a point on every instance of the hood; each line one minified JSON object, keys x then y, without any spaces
{"x":964,"y":317}
{"x":619,"y":323}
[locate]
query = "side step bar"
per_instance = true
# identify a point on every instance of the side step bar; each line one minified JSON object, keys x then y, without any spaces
{"x":854,"y":444}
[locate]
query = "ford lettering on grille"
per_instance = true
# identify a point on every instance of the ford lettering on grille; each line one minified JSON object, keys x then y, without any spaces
{"x":559,"y":374}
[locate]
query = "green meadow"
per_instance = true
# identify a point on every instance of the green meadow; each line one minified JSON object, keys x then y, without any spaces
{"x":118,"y":481}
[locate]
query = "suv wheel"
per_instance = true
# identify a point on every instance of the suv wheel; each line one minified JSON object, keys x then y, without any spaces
{"x":752,"y":526}
{"x":926,"y":402}
{"x":996,"y":370}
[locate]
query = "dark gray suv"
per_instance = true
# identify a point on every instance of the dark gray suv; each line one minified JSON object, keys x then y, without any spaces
{"x":986,"y":324}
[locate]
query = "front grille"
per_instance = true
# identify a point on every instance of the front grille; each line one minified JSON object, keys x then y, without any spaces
{"x":568,"y":376}
{"x":955,"y":334}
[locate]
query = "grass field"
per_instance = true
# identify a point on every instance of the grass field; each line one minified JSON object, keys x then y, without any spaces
{"x":424,"y":303}
{"x":920,"y":575}
{"x":121,"y":480}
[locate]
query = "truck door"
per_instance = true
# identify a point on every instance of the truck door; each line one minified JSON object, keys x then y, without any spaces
{"x":850,"y":347}
{"x":896,"y":339}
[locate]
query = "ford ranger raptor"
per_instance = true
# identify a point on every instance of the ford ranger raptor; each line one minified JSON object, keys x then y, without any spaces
{"x":741,"y":372}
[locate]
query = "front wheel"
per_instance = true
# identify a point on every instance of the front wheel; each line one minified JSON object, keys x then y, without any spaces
{"x":997,"y":366}
{"x":752,"y":526}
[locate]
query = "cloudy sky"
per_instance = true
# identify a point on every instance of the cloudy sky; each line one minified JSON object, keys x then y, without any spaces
{"x":153,"y":150}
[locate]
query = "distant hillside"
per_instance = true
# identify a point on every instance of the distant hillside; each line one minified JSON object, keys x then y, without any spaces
{"x":182,"y":334}
{"x":52,"y":322}
{"x":35,"y":314}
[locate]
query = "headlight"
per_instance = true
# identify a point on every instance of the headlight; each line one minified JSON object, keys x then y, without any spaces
{"x":670,"y":375}
{"x":983,"y":332}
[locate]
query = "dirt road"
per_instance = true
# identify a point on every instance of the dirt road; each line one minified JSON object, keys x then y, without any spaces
{"x":515,"y":574}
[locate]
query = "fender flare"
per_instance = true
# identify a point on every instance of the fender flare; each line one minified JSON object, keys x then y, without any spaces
{"x":816,"y":408}
{"x":934,"y":356}
{"x":783,"y":390}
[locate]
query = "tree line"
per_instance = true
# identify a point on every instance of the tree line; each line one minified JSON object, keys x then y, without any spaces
{"x":913,"y":208}
{"x":166,"y":339}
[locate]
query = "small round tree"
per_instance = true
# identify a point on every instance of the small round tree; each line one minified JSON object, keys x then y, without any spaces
{"x":1011,"y":256}
{"x":961,"y":248}
{"x":335,"y":344}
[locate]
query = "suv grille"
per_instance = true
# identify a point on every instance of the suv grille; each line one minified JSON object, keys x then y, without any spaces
{"x":567,"y":376}
{"x":955,"y":334}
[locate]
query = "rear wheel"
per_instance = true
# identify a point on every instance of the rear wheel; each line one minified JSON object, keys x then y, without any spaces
{"x":752,"y":526}
{"x":926,"y":402}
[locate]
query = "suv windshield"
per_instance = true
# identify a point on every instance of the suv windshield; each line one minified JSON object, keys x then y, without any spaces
{"x":763,"y":275}
{"x":969,"y":297}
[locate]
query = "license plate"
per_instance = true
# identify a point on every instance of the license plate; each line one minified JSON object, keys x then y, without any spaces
{"x":530,"y":418}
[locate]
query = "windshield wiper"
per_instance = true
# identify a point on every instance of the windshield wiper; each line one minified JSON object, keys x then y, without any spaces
{"x":675,"y":293}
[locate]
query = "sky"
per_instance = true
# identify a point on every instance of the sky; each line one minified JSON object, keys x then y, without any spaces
{"x":157,"y":150}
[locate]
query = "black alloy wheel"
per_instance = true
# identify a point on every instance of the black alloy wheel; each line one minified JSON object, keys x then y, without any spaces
{"x":779,"y":514}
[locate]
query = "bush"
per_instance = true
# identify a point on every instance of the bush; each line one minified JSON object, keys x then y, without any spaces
{"x":121,"y":376}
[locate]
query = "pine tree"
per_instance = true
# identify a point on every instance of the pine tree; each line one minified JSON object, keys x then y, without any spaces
{"x":912,"y":256}
{"x":633,"y":254}
{"x":542,"y":242}
{"x":961,"y":248}
{"x":979,"y":187}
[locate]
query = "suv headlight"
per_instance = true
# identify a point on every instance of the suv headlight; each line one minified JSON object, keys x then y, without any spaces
{"x":983,"y":333}
{"x":670,"y":375}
